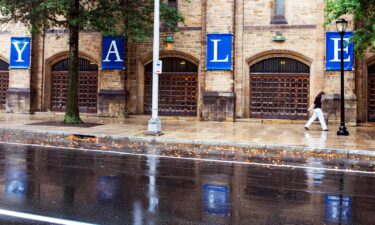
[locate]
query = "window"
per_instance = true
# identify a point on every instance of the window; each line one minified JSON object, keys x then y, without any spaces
{"x":279,"y":13}
{"x":172,"y":4}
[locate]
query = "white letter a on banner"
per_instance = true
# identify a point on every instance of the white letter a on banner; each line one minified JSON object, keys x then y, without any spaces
{"x":114,"y":51}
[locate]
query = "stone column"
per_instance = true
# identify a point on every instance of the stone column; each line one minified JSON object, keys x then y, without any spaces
{"x":218,"y":93}
{"x":111,"y":93}
{"x":239,"y":71}
{"x":18,"y":94}
{"x":332,"y":88}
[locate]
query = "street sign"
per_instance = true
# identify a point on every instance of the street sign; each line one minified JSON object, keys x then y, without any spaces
{"x":158,"y":67}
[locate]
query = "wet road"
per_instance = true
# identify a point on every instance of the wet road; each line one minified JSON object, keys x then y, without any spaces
{"x":99,"y":188}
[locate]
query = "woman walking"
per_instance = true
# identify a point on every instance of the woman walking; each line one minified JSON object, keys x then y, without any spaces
{"x":317,"y":106}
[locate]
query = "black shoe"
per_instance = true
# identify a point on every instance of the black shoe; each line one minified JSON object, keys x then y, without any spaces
{"x":306,"y":128}
{"x":325,"y":130}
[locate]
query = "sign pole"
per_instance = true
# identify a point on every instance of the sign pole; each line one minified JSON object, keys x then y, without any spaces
{"x":154,"y":124}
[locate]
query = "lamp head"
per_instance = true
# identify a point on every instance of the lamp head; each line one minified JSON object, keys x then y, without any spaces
{"x":341,"y":25}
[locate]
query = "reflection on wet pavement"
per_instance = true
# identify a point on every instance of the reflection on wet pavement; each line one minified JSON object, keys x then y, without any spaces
{"x":259,"y":134}
{"x":105,"y":188}
{"x":332,"y":159}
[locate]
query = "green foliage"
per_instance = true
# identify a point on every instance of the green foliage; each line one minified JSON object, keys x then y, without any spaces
{"x":133,"y":18}
{"x":170,"y":16}
{"x":363,"y":12}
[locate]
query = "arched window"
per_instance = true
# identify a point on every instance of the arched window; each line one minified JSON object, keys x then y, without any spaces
{"x":172,"y":4}
{"x":4,"y":82}
{"x":178,"y":88}
{"x":279,"y":89}
{"x":163,"y":27}
{"x":87,"y":85}
{"x":279,"y":13}
{"x":371,"y":93}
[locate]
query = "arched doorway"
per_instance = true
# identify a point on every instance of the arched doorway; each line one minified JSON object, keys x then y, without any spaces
{"x":4,"y":82}
{"x":178,"y":88}
{"x":279,"y":89}
{"x":87,"y":87}
{"x":371,"y":93}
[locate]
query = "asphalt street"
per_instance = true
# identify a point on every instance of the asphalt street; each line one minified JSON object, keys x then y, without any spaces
{"x":40,"y":185}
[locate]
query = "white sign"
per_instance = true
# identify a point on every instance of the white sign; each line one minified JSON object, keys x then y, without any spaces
{"x":158,"y":67}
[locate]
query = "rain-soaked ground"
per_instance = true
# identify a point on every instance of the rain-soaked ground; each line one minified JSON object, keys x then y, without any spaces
{"x":102,"y":188}
{"x":277,"y":157}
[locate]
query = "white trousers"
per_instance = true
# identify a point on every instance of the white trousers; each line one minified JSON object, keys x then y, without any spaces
{"x":317,"y":113}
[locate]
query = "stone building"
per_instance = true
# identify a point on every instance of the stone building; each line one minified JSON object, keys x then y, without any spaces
{"x":278,"y":66}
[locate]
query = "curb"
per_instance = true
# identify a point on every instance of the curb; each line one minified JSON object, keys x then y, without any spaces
{"x":161,"y":140}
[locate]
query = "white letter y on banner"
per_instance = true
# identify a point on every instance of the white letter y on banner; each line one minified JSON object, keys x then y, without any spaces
{"x":19,"y":51}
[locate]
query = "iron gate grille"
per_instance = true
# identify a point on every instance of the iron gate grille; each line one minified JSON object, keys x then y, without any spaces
{"x":279,"y":89}
{"x":4,"y":82}
{"x":371,"y":93}
{"x":178,"y":87}
{"x":177,"y":94}
{"x":87,"y":86}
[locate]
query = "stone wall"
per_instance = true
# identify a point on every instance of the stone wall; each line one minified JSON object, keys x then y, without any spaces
{"x":304,"y":42}
{"x":188,"y":45}
{"x":18,"y":94}
{"x":218,"y":95}
{"x":122,"y":92}
{"x":332,"y":87}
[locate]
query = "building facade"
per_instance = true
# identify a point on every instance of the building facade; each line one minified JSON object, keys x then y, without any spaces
{"x":278,"y":66}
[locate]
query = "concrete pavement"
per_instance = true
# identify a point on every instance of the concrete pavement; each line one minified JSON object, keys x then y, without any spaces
{"x":190,"y":131}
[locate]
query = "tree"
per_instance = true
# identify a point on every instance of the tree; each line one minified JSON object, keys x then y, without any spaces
{"x":132,"y":18}
{"x":363,"y":12}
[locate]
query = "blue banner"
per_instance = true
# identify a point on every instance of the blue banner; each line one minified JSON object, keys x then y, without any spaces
{"x":216,"y":199}
{"x":19,"y":53}
{"x":333,"y":51}
{"x":113,"y":53}
{"x":219,"y":52}
{"x":337,"y":209}
{"x":108,"y":188}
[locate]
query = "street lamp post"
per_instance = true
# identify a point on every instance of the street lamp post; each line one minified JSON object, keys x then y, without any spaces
{"x":154,"y":124}
{"x":341,"y":25}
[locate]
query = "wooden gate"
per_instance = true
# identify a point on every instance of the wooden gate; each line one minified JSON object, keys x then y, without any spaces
{"x":4,"y":82}
{"x":279,"y":89}
{"x":87,"y":87}
{"x":178,"y":88}
{"x":371,"y":93}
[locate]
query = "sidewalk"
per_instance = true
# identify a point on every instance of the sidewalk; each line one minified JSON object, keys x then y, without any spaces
{"x":190,"y":131}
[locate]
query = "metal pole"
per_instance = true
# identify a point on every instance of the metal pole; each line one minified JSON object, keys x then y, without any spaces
{"x":154,"y":124}
{"x":342,"y":129}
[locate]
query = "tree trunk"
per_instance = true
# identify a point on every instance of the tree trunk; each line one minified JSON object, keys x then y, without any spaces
{"x":72,"y":108}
